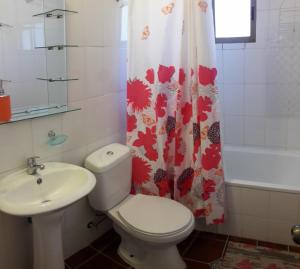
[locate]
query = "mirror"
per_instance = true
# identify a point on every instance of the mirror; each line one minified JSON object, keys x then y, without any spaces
{"x":33,"y":56}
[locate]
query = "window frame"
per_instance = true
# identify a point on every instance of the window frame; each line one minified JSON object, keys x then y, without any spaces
{"x":251,"y":38}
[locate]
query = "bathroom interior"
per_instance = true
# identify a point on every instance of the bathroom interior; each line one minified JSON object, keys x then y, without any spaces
{"x":149,"y":134}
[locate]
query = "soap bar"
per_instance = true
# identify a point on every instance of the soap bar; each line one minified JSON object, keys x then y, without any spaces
{"x":5,"y":109}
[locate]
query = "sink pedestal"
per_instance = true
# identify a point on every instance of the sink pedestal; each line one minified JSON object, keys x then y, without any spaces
{"x":47,"y":240}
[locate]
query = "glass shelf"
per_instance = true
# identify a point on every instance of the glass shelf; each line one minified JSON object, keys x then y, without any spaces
{"x":58,"y":13}
{"x":58,"y":47}
{"x":5,"y":25}
{"x":57,"y":79}
{"x":39,"y":112}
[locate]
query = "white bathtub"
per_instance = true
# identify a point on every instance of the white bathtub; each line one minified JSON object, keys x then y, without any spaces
{"x":266,"y":169}
{"x":262,"y":193}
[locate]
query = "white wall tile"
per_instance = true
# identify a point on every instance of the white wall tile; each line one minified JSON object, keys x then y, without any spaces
{"x":234,"y":99}
{"x":15,"y":145}
{"x":276,"y":132}
{"x":255,"y":99}
{"x":255,"y":66}
{"x":263,"y":4}
{"x":234,"y":130}
{"x":233,"y":199}
{"x":254,"y":131}
{"x":293,"y":141}
{"x":255,"y":202}
{"x":284,"y":206}
{"x":255,"y":228}
{"x":232,"y":225}
{"x":261,"y":30}
{"x":40,"y":130}
{"x":280,"y":232}
{"x":233,"y":66}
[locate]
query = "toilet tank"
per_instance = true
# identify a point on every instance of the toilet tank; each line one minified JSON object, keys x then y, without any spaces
{"x":112,"y":168}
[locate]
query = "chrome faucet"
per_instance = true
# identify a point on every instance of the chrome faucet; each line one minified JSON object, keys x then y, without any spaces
{"x":33,"y":166}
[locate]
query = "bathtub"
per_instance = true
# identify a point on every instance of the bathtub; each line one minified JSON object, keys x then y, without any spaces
{"x":262,"y":193}
{"x":266,"y":169}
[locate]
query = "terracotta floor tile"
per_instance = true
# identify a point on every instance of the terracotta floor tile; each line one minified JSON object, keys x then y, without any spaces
{"x":206,"y":250}
{"x":101,"y":261}
{"x":272,"y":245}
{"x":207,"y":235}
{"x":186,"y":244}
{"x":112,"y":252}
{"x":80,"y":257}
{"x":105,"y":240}
{"x":295,"y":249}
{"x":196,"y":265}
{"x":242,"y":240}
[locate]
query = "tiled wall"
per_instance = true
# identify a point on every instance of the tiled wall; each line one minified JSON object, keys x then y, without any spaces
{"x":101,"y":121}
{"x":259,"y":214}
{"x":259,"y":82}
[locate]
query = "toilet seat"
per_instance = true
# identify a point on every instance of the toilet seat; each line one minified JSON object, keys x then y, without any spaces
{"x":155,"y":216}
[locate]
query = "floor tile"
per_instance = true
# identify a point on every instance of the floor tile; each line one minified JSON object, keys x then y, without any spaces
{"x":206,"y":250}
{"x":242,"y":240}
{"x":80,"y":257}
{"x":101,"y":261}
{"x":105,"y":240}
{"x":207,"y":235}
{"x":112,"y":252}
{"x":186,"y":244}
{"x":196,"y":265}
{"x":294,"y":249}
{"x":272,"y":245}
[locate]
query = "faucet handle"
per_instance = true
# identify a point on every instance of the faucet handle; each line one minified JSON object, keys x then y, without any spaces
{"x":32,"y":160}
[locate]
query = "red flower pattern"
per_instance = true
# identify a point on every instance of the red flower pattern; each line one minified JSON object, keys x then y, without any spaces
{"x":140,"y":171}
{"x":187,"y":112}
{"x":165,"y":73}
{"x":150,"y":76}
{"x":204,"y":106}
{"x":138,"y":95}
{"x":212,"y":157}
{"x":147,"y":140}
{"x":161,"y":105}
{"x":209,"y":186}
{"x":171,"y":132}
{"x":185,"y":181}
{"x":181,"y":76}
{"x":207,"y":75}
{"x":131,"y":123}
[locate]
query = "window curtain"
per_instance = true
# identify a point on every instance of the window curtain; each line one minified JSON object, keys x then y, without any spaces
{"x":173,"y":124}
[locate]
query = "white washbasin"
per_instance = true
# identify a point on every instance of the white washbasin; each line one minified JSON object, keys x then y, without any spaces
{"x":62,"y":184}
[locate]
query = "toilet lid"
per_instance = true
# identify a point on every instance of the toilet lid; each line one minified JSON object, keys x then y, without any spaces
{"x":155,"y":215}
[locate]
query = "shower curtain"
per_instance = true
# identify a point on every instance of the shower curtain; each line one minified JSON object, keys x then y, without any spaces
{"x":173,"y":124}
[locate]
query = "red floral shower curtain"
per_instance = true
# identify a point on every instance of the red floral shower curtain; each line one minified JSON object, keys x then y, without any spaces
{"x":172,"y":111}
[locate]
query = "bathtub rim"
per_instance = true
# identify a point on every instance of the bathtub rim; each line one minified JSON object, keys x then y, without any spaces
{"x":261,"y":186}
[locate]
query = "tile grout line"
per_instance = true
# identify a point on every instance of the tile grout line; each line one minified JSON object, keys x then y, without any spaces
{"x":66,"y":265}
{"x":86,"y":261}
{"x":108,"y":257}
{"x":188,"y":247}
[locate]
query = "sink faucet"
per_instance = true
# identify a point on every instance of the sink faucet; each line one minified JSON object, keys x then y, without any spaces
{"x":33,"y":166}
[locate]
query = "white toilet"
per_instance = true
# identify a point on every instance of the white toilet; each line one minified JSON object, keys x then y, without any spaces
{"x":150,"y":226}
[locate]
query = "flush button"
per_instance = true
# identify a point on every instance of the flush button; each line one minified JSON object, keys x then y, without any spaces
{"x":109,"y":153}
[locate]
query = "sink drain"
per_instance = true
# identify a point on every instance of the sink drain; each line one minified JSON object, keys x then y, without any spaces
{"x":45,"y":202}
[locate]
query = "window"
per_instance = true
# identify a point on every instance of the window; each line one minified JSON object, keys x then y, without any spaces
{"x":235,"y":21}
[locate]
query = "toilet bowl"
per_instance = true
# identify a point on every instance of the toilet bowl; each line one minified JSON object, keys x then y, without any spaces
{"x":150,"y":226}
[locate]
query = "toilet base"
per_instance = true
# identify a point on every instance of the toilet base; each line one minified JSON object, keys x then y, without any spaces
{"x":141,"y":255}
{"x":165,"y":258}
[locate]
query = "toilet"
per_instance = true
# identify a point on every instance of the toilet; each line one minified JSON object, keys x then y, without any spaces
{"x":150,"y":226}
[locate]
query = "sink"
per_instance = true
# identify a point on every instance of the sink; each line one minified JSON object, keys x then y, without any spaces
{"x":62,"y":184}
{"x":44,"y":197}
